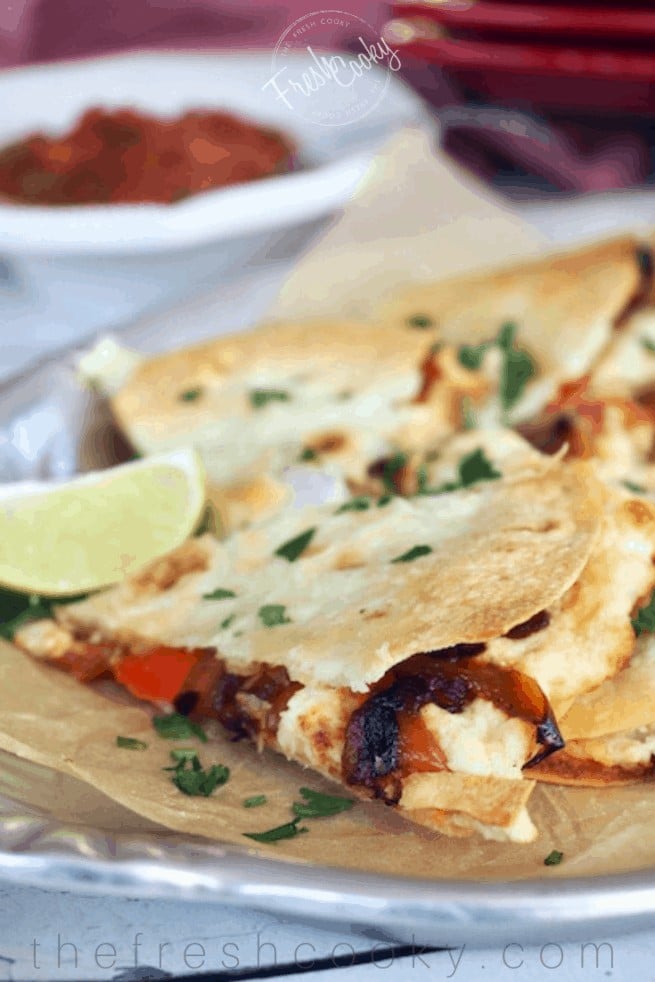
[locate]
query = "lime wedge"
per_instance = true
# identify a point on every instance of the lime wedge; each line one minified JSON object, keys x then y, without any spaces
{"x":59,"y":539}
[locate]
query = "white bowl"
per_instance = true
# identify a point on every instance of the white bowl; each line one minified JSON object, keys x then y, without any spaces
{"x":52,"y":97}
{"x":97,"y":264}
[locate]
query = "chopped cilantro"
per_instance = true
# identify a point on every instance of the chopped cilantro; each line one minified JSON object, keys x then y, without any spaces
{"x":317,"y":805}
{"x":197,"y":781}
{"x":420,"y":321}
{"x":190,"y":395}
{"x":175,"y":726}
{"x":518,"y":369}
{"x":472,"y":355}
{"x":273,"y":614}
{"x":261,"y":397}
{"x":227,"y":622}
{"x":255,"y":802}
{"x":130,"y":743}
{"x":294,"y":548}
{"x":475,"y":467}
{"x":355,"y":504}
{"x":644,"y":622}
{"x":287,"y":831}
{"x":307,"y":454}
{"x":648,"y":345}
{"x":17,"y":609}
{"x":554,"y":858}
{"x":414,"y":553}
{"x":635,"y":488}
{"x":472,"y":468}
{"x":218,"y":594}
{"x":506,"y":336}
{"x":384,"y":500}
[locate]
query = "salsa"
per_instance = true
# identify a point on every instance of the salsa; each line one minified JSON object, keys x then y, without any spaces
{"x":125,"y":156}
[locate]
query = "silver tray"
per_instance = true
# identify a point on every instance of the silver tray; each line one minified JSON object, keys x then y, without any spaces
{"x":47,"y":430}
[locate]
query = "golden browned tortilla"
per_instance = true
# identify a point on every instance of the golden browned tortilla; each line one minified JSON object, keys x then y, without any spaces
{"x":409,"y":650}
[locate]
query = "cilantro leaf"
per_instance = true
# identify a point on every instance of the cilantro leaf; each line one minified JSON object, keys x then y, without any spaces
{"x":414,"y":553}
{"x":644,"y":622}
{"x":420,"y":321}
{"x":384,"y":500}
{"x":476,"y":467}
{"x":175,"y":726}
{"x":554,"y":858}
{"x":648,"y":345}
{"x":130,"y":743}
{"x":261,"y":397}
{"x":190,"y":395}
{"x":307,"y":453}
{"x":273,"y":614}
{"x":228,"y":620}
{"x":318,"y":805}
{"x":218,"y":594}
{"x":287,"y":831}
{"x":472,"y":355}
{"x":355,"y":504}
{"x":472,"y":468}
{"x":635,"y":488}
{"x":255,"y":802}
{"x":294,"y":548}
{"x":506,"y":336}
{"x":197,"y":781}
{"x":518,"y":368}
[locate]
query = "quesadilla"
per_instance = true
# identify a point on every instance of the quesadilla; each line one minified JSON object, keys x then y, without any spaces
{"x":413,"y":649}
{"x":334,"y":395}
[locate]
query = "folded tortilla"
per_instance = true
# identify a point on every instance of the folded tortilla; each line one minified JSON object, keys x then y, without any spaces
{"x":408,"y":648}
{"x":328,"y":394}
{"x":610,"y":731}
{"x":565,"y":308}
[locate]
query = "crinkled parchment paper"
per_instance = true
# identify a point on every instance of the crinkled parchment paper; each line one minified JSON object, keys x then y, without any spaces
{"x":414,"y":217}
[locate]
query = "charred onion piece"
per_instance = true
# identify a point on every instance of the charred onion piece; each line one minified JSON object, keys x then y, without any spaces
{"x":371,"y":752}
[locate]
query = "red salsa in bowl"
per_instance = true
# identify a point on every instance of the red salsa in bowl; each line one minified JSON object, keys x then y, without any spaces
{"x":128,"y":157}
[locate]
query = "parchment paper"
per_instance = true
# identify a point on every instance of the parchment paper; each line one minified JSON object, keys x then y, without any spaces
{"x":413,"y":218}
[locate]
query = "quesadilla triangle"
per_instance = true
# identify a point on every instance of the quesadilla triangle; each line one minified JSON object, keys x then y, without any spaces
{"x":331,"y":395}
{"x":565,"y":309}
{"x":405,"y":647}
